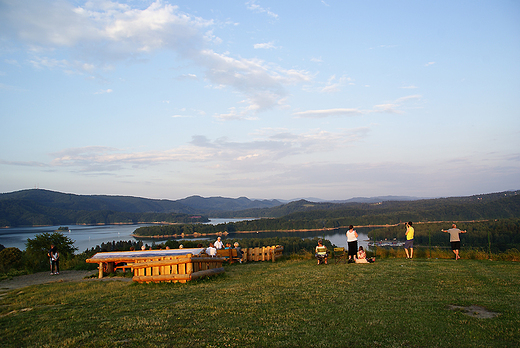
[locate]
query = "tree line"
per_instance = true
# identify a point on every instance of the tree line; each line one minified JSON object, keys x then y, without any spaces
{"x":26,"y":213}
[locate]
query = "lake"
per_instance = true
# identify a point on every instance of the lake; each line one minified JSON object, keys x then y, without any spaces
{"x":86,"y":237}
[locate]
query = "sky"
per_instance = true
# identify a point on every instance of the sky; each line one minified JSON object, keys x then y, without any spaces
{"x":263,"y":99}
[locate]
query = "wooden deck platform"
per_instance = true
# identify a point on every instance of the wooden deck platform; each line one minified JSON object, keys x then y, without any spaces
{"x":177,"y":265}
{"x":174,"y":265}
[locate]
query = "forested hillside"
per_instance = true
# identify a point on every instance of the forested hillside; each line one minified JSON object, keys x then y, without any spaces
{"x":431,"y":209}
{"x":27,"y":213}
{"x":43,"y":207}
{"x":501,"y":206}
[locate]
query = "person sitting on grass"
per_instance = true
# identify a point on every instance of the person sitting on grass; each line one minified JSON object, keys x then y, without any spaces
{"x":362,"y":256}
{"x":321,"y":252}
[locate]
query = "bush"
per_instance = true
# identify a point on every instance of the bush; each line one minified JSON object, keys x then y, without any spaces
{"x":10,"y":259}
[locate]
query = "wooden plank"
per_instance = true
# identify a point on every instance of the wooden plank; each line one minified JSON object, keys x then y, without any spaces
{"x":178,"y":277}
{"x":153,"y":263}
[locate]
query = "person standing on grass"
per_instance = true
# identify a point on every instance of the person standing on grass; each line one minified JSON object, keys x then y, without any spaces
{"x":454,"y":239}
{"x":54,"y":260}
{"x":352,"y":243}
{"x":408,"y":245}
{"x":49,"y":254}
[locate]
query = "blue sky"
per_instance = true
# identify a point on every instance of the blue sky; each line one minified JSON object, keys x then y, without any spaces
{"x":263,"y":99}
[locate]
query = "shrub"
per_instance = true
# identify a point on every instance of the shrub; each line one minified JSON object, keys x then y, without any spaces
{"x":10,"y":259}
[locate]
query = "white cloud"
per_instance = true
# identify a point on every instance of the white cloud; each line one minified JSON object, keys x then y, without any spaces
{"x":387,"y":108}
{"x":327,"y":112}
{"x":263,"y":84}
{"x":267,"y":45}
{"x":101,"y":33}
{"x":393,"y":108}
{"x":104,"y":91}
{"x":429,"y":63}
{"x":45,"y":62}
{"x":103,"y":30}
{"x":334,"y":84}
{"x":251,"y":5}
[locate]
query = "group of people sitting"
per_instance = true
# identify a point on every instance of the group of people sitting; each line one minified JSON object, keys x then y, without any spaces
{"x":213,"y":247}
{"x":355,"y":254}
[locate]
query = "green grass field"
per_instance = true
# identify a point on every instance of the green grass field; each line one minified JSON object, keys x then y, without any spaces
{"x":291,"y":303}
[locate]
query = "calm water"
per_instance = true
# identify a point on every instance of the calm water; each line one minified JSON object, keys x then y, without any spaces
{"x":86,"y":237}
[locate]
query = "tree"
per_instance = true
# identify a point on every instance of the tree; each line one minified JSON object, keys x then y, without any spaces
{"x":10,"y":258}
{"x":36,"y":249}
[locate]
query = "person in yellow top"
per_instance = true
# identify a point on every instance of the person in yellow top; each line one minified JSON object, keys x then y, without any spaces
{"x":409,"y":239}
{"x":321,"y":252}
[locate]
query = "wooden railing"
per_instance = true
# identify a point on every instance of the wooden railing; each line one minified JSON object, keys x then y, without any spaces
{"x":269,"y":253}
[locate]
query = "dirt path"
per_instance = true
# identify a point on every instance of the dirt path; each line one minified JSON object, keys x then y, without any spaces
{"x":45,"y":277}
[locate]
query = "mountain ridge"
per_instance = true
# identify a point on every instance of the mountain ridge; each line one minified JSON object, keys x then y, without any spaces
{"x":39,"y":206}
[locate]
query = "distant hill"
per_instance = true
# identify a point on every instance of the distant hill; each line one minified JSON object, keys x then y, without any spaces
{"x":44,"y":207}
{"x":214,"y":205}
{"x":357,"y":199}
{"x":493,"y":205}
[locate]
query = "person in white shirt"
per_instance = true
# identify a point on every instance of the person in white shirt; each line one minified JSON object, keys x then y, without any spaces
{"x":352,"y":244}
{"x":218,"y":244}
{"x":211,"y":251}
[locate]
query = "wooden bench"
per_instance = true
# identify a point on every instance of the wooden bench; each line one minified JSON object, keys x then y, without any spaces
{"x":229,"y":255}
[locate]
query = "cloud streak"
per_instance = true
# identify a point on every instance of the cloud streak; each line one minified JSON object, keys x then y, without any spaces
{"x":267,"y":146}
{"x":392,"y":108}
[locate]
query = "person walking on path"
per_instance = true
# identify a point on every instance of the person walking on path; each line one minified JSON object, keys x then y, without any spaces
{"x":408,"y":245}
{"x":454,"y":239}
{"x":352,"y":244}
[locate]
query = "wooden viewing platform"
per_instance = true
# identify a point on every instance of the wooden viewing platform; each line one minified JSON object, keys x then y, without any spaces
{"x":177,"y":265}
{"x":170,"y":265}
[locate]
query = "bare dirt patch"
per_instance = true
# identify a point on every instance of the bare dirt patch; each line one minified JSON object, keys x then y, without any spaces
{"x":475,"y":311}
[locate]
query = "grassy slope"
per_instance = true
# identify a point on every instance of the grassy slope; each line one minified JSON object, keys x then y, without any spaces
{"x":292,"y":303}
